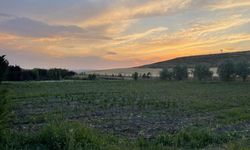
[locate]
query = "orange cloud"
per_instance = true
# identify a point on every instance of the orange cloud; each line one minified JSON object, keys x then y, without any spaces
{"x":199,"y":38}
{"x":155,"y":44}
{"x":7,"y":37}
{"x":229,"y":4}
{"x":199,"y":29}
{"x":150,"y":8}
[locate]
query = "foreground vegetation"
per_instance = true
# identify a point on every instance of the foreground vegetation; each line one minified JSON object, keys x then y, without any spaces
{"x":127,"y":115}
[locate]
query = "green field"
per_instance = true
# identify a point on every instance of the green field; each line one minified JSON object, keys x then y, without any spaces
{"x":129,"y":115}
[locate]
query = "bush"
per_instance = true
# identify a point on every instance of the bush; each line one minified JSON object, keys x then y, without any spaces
{"x":227,"y":71}
{"x":180,"y":72}
{"x":166,"y":75}
{"x":202,"y":72}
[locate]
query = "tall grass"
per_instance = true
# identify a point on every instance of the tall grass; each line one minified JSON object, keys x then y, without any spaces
{"x":63,"y":136}
{"x":193,"y":138}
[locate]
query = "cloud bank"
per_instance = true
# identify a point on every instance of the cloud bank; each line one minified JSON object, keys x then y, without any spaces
{"x":119,"y":33}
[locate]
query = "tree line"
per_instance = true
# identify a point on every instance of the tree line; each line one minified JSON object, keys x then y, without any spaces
{"x":16,"y":73}
{"x":227,"y":71}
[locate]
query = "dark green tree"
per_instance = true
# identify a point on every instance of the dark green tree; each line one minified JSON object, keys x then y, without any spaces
{"x":14,"y":73}
{"x":180,"y":72}
{"x":28,"y":75}
{"x":135,"y":76}
{"x":3,"y":67}
{"x":144,"y":76}
{"x":227,"y":71}
{"x":165,"y":74}
{"x":120,"y":75}
{"x":91,"y":77}
{"x":41,"y":74}
{"x":149,"y":75}
{"x":202,"y":72}
{"x":242,"y":70}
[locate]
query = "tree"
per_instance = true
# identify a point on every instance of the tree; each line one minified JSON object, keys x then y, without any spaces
{"x":135,"y":76}
{"x":202,"y":72}
{"x":58,"y":74}
{"x":14,"y":73}
{"x":242,"y":70}
{"x":180,"y":72}
{"x":226,"y":71}
{"x":149,"y":75}
{"x":144,"y":76}
{"x":41,"y":74}
{"x":120,"y":75}
{"x":3,"y":67}
{"x":28,"y":75}
{"x":166,"y":75}
{"x":92,"y":77}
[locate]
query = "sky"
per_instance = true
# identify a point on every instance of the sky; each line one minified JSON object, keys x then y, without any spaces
{"x":104,"y":34}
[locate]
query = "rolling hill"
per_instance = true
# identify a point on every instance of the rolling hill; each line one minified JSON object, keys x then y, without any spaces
{"x":212,"y":60}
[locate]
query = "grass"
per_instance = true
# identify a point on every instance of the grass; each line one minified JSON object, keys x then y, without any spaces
{"x":234,"y":115}
{"x":190,"y":138}
{"x":62,"y":135}
{"x":128,"y":114}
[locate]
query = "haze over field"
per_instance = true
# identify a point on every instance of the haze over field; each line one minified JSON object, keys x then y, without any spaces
{"x":102,"y":34}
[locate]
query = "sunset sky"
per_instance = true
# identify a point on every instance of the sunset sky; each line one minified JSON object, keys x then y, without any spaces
{"x":102,"y":34}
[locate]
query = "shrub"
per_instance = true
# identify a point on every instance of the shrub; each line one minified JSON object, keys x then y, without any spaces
{"x":202,"y":72}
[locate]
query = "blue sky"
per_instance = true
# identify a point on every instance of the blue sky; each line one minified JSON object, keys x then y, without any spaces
{"x":101,"y":34}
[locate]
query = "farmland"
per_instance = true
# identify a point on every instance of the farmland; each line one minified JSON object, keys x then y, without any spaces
{"x":131,"y":114}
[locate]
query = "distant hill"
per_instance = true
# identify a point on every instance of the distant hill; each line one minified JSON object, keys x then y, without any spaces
{"x":212,"y":60}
